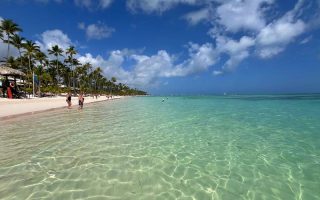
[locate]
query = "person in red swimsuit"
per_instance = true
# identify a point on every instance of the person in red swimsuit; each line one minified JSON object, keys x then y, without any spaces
{"x":9,"y":90}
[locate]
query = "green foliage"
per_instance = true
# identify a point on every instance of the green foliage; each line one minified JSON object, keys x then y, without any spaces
{"x":57,"y":76}
{"x":29,"y":90}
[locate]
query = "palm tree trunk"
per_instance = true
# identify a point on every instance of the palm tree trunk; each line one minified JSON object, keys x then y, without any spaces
{"x":57,"y":71}
{"x":20,"y":57}
{"x":39,"y":86}
{"x":33,"y":83}
{"x":30,"y":66}
{"x":39,"y":78}
{"x":73,"y":78}
{"x":8,"y":49}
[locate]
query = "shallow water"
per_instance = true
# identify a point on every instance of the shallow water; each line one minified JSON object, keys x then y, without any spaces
{"x":209,"y":147}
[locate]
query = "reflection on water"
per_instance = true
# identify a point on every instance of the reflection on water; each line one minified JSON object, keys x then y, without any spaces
{"x":182,"y":148}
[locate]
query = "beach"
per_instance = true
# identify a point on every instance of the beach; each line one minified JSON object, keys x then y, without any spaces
{"x":16,"y":107}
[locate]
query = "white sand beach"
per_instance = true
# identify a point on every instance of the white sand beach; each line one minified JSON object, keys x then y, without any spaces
{"x":15,"y":107}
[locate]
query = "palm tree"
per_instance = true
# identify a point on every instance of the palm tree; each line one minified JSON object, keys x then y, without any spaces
{"x":97,"y":76}
{"x":114,"y":79}
{"x":56,"y":51}
{"x":65,"y":74}
{"x":81,"y":71}
{"x":12,"y":62}
{"x":9,"y":28}
{"x":103,"y":82}
{"x":42,"y":58}
{"x":87,"y":76}
{"x":113,"y":83}
{"x":17,"y":41}
{"x":30,"y":50}
{"x":71,"y":51}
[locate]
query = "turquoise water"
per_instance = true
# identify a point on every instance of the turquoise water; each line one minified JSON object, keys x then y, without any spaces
{"x":210,"y":147}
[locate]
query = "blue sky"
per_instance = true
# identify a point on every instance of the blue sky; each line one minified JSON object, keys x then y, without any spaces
{"x":184,"y":46}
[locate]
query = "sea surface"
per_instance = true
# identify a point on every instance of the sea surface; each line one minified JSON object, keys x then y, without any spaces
{"x":190,"y":147}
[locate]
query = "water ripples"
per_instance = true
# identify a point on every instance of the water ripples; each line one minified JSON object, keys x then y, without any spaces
{"x":141,"y":148}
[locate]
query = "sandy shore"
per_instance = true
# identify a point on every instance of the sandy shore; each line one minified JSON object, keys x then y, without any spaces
{"x":15,"y":107}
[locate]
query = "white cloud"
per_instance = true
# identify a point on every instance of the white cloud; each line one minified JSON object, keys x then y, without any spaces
{"x":46,"y":1}
{"x":50,"y":38}
{"x":281,"y":32}
{"x":144,"y":72}
{"x":234,"y":61}
{"x":83,"y":3}
{"x":158,"y":6}
{"x":306,"y":40}
{"x":105,"y":3}
{"x":147,"y":70}
{"x":247,"y":15}
{"x":97,"y":31}
{"x":230,"y":46}
{"x":274,"y":37}
{"x":266,"y":40}
{"x":269,"y":52}
{"x":217,"y":72}
{"x":201,"y":57}
{"x":230,"y":19}
{"x":237,"y":50}
{"x":112,"y":66}
{"x":93,"y":4}
{"x":198,"y":16}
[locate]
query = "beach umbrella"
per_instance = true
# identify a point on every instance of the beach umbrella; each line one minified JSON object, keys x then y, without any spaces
{"x":7,"y":71}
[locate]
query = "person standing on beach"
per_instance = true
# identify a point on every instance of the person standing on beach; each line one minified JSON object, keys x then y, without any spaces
{"x":81,"y":100}
{"x":68,"y":100}
{"x":10,"y":90}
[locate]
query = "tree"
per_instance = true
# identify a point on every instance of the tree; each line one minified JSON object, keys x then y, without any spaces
{"x":8,"y":27}
{"x":12,"y":62}
{"x":71,"y":51}
{"x":114,"y":79}
{"x":17,"y":41}
{"x":42,"y":58}
{"x":30,"y":50}
{"x":113,"y":83}
{"x":65,"y":74}
{"x":97,"y":76}
{"x":56,"y":51}
{"x":85,"y":74}
{"x":50,"y":71}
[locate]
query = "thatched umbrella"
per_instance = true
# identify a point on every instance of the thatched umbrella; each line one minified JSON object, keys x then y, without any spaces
{"x":7,"y":71}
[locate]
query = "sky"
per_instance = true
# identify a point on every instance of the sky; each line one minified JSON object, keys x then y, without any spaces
{"x":178,"y":47}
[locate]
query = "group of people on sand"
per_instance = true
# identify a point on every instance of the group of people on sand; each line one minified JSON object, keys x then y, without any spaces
{"x":8,"y":89}
{"x":80,"y":98}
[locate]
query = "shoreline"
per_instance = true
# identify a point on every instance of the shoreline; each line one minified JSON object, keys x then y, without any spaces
{"x":15,"y":108}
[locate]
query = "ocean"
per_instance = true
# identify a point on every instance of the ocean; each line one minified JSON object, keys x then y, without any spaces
{"x":184,"y":147}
